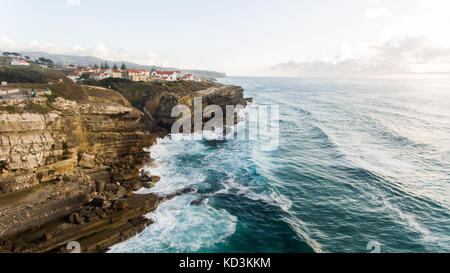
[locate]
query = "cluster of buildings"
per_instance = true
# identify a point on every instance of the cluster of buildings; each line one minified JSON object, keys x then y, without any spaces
{"x":19,"y":61}
{"x":98,"y":74}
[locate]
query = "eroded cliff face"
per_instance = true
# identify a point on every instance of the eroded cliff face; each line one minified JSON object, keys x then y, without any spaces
{"x":70,"y":174}
{"x":159,"y":108}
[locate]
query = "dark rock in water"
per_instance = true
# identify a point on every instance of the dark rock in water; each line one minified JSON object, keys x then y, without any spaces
{"x":137,"y":186}
{"x":177,"y":193}
{"x":149,"y":185}
{"x":148,"y":158}
{"x":97,"y":202}
{"x":155,"y":179}
{"x":186,"y":190}
{"x":198,"y":202}
{"x":146,"y":178}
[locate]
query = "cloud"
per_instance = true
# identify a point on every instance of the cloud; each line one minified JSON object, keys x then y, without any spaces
{"x":404,"y":55}
{"x":72,"y":3}
{"x":146,"y":57}
{"x":377,"y":12}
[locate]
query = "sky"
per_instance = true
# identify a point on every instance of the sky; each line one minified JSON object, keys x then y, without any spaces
{"x":321,"y":38}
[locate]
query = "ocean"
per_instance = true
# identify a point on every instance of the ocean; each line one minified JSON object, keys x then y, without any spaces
{"x":360,"y":163}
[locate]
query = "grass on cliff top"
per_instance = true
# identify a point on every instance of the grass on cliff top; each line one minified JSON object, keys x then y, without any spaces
{"x":3,"y":61}
{"x":138,"y":93}
{"x":28,"y":74}
{"x":41,"y":78}
{"x":29,"y":108}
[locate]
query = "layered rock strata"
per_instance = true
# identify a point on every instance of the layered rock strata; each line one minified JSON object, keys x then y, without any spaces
{"x":69,"y":174}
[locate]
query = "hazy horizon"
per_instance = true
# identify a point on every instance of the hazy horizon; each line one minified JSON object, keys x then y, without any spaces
{"x":337,"y":39}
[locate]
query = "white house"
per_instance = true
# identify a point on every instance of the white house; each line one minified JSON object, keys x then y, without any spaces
{"x":166,"y":75}
{"x":189,"y":77}
{"x":115,"y":73}
{"x":179,"y":74}
{"x":99,"y":76}
{"x":144,"y":72}
{"x":95,"y":76}
{"x":74,"y":77}
{"x":19,"y":61}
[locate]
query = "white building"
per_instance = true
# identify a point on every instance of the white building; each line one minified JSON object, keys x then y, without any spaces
{"x":99,"y":76}
{"x":115,"y":73}
{"x":189,"y":77}
{"x":74,"y":77}
{"x":167,"y":75}
{"x":19,"y":61}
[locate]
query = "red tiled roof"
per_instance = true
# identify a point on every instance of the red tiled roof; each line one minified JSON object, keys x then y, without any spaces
{"x":132,"y":71}
{"x":164,"y":72}
{"x":19,"y":60}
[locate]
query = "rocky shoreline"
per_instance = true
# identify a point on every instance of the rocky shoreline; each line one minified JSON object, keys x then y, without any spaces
{"x":70,"y":174}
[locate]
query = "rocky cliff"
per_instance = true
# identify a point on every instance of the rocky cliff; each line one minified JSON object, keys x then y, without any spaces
{"x":68,"y":173}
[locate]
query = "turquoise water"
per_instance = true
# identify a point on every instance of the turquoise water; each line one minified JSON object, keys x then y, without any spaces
{"x":359,"y":161}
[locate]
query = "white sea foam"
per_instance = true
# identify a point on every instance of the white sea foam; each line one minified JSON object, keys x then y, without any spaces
{"x":410,"y":221}
{"x":180,"y":227}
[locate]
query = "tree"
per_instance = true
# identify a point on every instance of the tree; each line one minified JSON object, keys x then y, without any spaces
{"x":107,"y":65}
{"x":102,"y":65}
{"x":115,"y":66}
{"x":123,"y":67}
{"x":85,"y":76}
{"x":45,"y":60}
{"x":11,"y":54}
{"x":95,"y":65}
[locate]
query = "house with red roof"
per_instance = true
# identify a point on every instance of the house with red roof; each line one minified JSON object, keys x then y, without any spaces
{"x":19,"y":61}
{"x":136,"y":75}
{"x":167,"y":75}
{"x":73,"y":76}
{"x":115,"y":73}
{"x":99,"y":76}
{"x":188,"y":77}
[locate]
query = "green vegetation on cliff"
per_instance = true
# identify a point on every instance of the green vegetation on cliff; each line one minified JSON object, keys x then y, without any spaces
{"x":39,"y":78}
{"x":22,"y":75}
{"x":138,"y":93}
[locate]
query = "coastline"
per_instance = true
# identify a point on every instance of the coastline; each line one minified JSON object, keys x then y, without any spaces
{"x":86,"y":193}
